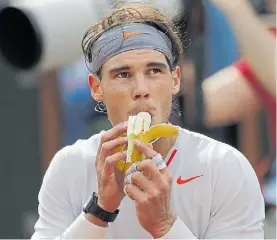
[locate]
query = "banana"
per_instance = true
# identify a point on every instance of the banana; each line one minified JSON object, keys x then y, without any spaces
{"x":139,"y":128}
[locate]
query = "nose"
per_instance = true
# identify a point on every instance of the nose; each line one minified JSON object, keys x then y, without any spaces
{"x":141,"y":89}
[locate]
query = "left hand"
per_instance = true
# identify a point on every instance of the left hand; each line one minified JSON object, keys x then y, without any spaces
{"x":151,"y":190}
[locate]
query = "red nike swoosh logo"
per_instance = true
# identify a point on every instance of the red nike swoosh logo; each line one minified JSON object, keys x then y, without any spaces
{"x":183,"y":181}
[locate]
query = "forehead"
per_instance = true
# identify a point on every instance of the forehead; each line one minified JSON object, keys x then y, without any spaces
{"x":135,"y":58}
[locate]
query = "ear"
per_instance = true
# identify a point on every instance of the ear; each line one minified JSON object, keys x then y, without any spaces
{"x":95,"y":88}
{"x":176,"y":75}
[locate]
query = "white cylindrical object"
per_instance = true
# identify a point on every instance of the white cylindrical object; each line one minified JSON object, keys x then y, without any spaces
{"x":61,"y":25}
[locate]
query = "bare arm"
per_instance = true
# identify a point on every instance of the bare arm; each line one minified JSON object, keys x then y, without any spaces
{"x":254,"y":40}
{"x":227,"y":97}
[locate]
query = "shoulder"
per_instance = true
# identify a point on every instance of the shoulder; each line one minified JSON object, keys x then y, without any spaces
{"x":75,"y":158}
{"x":217,"y":155}
{"x":72,"y":172}
{"x":228,"y":171}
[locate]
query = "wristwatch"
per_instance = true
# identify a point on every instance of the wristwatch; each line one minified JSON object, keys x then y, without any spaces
{"x":94,"y":209}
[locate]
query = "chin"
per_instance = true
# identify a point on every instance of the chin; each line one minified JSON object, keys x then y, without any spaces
{"x":155,"y":121}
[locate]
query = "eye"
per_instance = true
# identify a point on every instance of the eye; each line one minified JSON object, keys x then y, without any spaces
{"x":155,"y":71}
{"x":123,"y":75}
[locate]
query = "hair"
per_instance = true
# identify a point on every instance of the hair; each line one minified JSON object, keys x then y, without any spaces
{"x":133,"y":13}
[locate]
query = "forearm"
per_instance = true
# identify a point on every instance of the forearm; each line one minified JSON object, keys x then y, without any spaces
{"x":81,"y":228}
{"x":179,"y":230}
{"x":255,"y":42}
{"x":84,"y":228}
{"x":227,"y":97}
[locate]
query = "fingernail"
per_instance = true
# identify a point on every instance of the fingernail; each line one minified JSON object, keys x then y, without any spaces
{"x":150,"y":145}
{"x":124,"y":190}
{"x":125,"y":125}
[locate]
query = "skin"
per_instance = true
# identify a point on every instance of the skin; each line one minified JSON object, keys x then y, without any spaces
{"x":258,"y":50}
{"x":135,"y":81}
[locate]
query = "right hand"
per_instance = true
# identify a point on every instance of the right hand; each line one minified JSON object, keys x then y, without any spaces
{"x":110,"y":180}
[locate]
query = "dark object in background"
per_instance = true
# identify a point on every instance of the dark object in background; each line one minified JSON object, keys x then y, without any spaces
{"x":20,"y":170}
{"x":260,"y":6}
{"x":20,"y":166}
{"x":21,"y":47}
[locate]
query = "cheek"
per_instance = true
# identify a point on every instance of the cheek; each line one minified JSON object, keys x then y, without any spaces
{"x":117,"y":104}
{"x":163,"y":98}
{"x":113,"y":93}
{"x":113,"y":100}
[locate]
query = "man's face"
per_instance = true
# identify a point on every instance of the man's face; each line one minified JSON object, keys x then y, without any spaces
{"x":139,"y":81}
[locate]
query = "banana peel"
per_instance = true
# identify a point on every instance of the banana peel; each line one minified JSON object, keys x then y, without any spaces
{"x":139,"y":128}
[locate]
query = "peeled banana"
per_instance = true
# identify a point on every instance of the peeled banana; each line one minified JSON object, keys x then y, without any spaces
{"x":139,"y":128}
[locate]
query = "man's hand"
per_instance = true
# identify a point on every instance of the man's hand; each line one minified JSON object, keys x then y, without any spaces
{"x":110,"y":181}
{"x":151,"y":189}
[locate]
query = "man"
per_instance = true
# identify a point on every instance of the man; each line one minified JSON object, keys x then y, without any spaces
{"x":207,"y":190}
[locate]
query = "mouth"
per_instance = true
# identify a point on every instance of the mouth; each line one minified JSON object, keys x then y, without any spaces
{"x":133,"y":113}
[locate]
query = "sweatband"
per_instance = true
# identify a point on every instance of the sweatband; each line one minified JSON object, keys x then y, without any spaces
{"x":129,"y":37}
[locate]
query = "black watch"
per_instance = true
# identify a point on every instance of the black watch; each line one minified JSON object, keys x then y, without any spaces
{"x":93,"y":208}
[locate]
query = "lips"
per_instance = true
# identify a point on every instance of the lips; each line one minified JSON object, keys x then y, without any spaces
{"x":133,"y":113}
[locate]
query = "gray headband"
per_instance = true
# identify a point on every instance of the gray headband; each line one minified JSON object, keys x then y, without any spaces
{"x":128,"y":37}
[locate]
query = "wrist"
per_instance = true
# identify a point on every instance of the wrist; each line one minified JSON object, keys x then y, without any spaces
{"x":109,"y":209}
{"x":97,"y":214}
{"x":95,"y":220}
{"x":163,"y":228}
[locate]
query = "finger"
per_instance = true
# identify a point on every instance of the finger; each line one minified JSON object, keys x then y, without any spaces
{"x":147,"y":151}
{"x":112,"y":134}
{"x":132,"y":169}
{"x":149,"y":169}
{"x":135,"y":177}
{"x":141,"y":181}
{"x":107,"y":148}
{"x":166,"y":172}
{"x":133,"y":192}
{"x":158,"y":159}
{"x":111,"y":161}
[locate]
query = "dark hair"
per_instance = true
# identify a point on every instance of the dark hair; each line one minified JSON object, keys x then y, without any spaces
{"x":130,"y":13}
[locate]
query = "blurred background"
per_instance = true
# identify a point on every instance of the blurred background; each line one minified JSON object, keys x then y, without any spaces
{"x":46,"y":103}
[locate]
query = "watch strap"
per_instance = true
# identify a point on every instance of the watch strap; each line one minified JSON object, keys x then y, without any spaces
{"x":94,"y":209}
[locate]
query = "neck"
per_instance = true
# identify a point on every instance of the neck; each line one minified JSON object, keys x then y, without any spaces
{"x":163,"y":145}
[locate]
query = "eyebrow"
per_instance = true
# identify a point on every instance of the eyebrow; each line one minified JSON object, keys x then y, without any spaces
{"x":125,"y":68}
{"x":119,"y":69}
{"x":157,"y":64}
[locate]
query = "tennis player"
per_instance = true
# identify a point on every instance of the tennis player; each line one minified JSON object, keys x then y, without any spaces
{"x":206,"y":189}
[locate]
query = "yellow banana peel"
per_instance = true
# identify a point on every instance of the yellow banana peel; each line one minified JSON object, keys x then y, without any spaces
{"x":139,"y":128}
